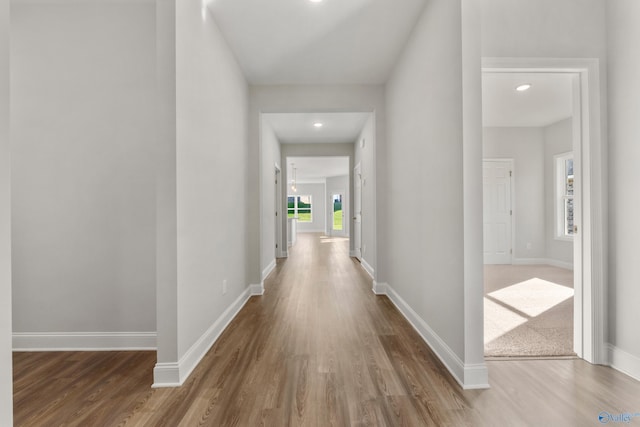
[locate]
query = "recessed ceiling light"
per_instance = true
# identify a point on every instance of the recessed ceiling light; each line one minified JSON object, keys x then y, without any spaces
{"x":523,"y":87}
{"x":318,"y":125}
{"x":315,"y":1}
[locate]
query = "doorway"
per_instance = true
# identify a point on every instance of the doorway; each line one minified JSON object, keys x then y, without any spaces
{"x":589,"y":302}
{"x":337,"y":207}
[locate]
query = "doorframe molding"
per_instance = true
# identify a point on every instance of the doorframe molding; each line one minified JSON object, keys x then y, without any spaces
{"x":591,"y":343}
{"x":280,"y":251}
{"x":357,"y":252}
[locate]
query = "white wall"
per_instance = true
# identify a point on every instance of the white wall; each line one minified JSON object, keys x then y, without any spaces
{"x":424,"y":194}
{"x":624,"y":156}
{"x":269,"y":159}
{"x":543,"y":29}
{"x":338,"y":185}
{"x":366,"y":157}
{"x":318,"y":195}
{"x":211,"y":151}
{"x":83,"y":122}
{"x":6,"y":377}
{"x":291,"y":99}
{"x":525,"y":146}
{"x":558,"y":139}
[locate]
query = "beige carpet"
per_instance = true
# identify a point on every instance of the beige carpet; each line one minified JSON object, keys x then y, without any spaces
{"x":528,"y":311}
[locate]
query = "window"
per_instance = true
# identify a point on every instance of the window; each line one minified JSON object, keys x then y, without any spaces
{"x":299,"y":207}
{"x":564,"y":196}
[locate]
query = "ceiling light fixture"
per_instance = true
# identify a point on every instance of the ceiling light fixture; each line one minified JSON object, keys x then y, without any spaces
{"x":523,"y":87}
{"x":315,"y":1}
{"x":293,"y":180}
{"x":317,"y":125}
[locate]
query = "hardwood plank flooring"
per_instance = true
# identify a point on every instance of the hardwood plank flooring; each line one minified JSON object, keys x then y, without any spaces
{"x":318,"y":349}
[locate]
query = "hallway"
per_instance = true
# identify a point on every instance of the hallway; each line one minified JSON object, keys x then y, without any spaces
{"x":318,"y":349}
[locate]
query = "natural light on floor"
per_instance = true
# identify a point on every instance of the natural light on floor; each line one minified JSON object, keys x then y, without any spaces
{"x":532,"y":297}
{"x":519,"y":318}
{"x":508,"y":320}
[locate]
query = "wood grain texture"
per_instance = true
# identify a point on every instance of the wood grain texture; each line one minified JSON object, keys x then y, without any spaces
{"x":317,"y":349}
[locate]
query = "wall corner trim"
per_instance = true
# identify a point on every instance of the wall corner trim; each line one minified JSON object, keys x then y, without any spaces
{"x":175,"y":374}
{"x":468,"y":376}
{"x":624,"y":362}
{"x":257,"y":290}
{"x":379,"y":288}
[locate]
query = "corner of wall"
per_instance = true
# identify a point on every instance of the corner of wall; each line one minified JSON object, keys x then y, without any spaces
{"x":174,"y":374}
{"x":469,"y":376}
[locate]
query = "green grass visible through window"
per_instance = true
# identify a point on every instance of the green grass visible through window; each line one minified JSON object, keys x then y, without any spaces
{"x":337,"y":220}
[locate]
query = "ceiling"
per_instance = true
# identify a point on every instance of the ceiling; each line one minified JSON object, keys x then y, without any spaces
{"x":299,"y":127}
{"x":331,"y":42}
{"x":549,"y":99}
{"x":312,"y":169}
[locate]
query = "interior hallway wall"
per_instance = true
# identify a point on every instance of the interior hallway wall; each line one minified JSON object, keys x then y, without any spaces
{"x":83,"y":124}
{"x":425,"y":195}
{"x":6,"y":374}
{"x":270,"y":158}
{"x":624,"y":156}
{"x":366,"y":157}
{"x":211,"y":155}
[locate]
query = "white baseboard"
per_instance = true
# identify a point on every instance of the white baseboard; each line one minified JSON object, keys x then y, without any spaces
{"x":560,"y":264}
{"x":368,"y":268}
{"x":468,"y":376}
{"x":175,"y":374}
{"x":379,"y":288}
{"x":353,"y":254}
{"x":543,"y":261}
{"x":83,"y":341}
{"x":257,"y":290}
{"x":624,"y":362}
{"x":268,"y":269}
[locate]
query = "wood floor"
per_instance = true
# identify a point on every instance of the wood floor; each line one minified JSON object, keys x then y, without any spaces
{"x":318,"y":349}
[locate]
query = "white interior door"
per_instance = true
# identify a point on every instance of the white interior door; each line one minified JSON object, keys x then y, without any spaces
{"x":357,"y":212}
{"x":498,"y":213}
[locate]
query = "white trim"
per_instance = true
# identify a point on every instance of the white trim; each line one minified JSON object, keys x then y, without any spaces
{"x":624,"y":362}
{"x":468,"y":376}
{"x":267,"y":271}
{"x":83,"y":341}
{"x":370,"y":271}
{"x":560,"y":264}
{"x":257,"y":290}
{"x":353,"y":254}
{"x":175,"y":374}
{"x":379,"y":288}
{"x":543,"y":261}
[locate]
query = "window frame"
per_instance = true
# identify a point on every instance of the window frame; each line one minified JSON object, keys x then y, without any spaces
{"x":296,"y":208}
{"x":562,"y":196}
